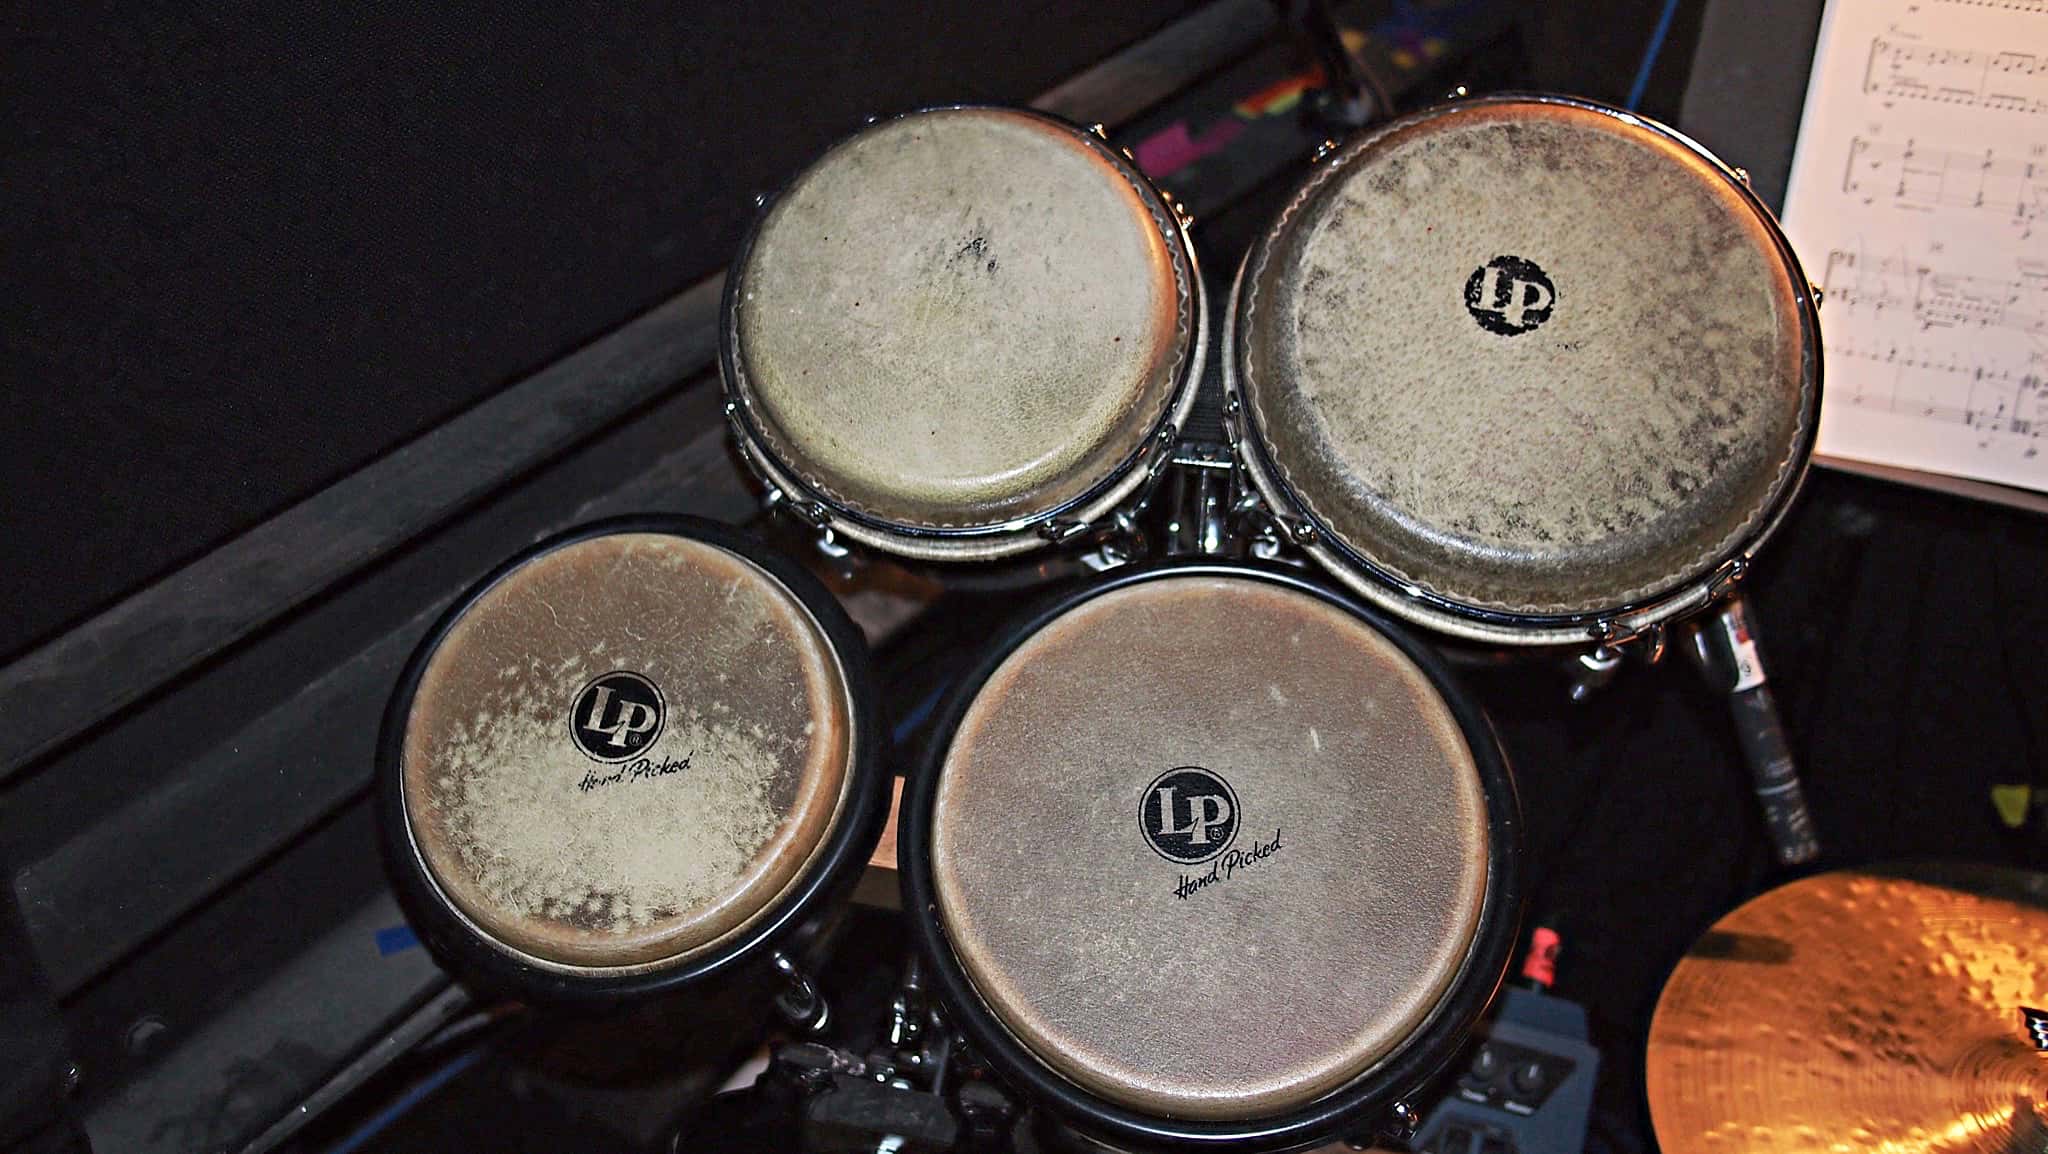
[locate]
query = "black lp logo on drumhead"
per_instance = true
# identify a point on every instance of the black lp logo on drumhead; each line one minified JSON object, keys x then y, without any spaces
{"x":1188,"y":814}
{"x":617,"y":716}
{"x":1509,"y":295}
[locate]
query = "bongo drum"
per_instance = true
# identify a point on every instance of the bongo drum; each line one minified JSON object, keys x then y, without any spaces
{"x":638,"y":754}
{"x":962,"y":334}
{"x":1207,"y":855}
{"x":1525,"y":370}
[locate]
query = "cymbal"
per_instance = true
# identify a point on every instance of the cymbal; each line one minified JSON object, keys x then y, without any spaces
{"x":1860,"y":1011}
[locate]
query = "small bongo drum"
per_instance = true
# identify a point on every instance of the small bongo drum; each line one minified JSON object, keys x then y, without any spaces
{"x":1525,"y":370}
{"x":1207,"y":855}
{"x":638,"y":754}
{"x":962,"y":334}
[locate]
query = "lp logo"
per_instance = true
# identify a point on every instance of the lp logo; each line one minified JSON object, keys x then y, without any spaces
{"x":617,"y":716}
{"x":1509,"y":295}
{"x":1188,"y":815}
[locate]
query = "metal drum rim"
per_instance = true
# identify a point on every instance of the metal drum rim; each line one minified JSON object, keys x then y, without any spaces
{"x":1425,"y":608}
{"x":1020,"y":534}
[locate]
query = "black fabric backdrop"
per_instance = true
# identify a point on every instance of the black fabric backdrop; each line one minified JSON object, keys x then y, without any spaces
{"x":248,"y":247}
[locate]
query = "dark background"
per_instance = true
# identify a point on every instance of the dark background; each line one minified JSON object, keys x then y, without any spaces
{"x":250,"y":247}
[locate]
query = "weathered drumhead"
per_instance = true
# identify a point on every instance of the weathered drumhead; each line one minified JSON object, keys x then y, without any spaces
{"x":1076,"y":904}
{"x":1530,"y":357}
{"x":960,"y":318}
{"x":624,"y":750}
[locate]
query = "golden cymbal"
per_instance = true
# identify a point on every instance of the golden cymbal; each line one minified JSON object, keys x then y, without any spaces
{"x":1860,"y":1012}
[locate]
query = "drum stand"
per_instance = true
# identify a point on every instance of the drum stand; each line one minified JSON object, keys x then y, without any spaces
{"x":1723,"y":645}
{"x":900,"y":1098}
{"x":1202,"y":491}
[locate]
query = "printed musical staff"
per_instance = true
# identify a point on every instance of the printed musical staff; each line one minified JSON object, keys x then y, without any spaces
{"x":1902,"y":69}
{"x":1937,"y":299}
{"x":2037,"y":7}
{"x":1919,"y":201}
{"x":1913,"y":175}
{"x":1928,"y":370}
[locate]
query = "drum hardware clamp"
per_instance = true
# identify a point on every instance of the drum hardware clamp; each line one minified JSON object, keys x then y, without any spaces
{"x":1323,"y":150}
{"x":828,"y":544}
{"x":1403,"y":1120}
{"x":1652,"y":641}
{"x":1158,"y":456}
{"x":1649,"y":641}
{"x":1060,"y":530}
{"x":1299,"y":531}
{"x":907,"y":1009}
{"x":1180,"y":211}
{"x":1203,"y":455}
{"x":812,"y":513}
{"x":809,"y":512}
{"x":800,"y":1002}
{"x":1123,"y":519}
{"x":1724,"y":580}
{"x":1595,"y":669}
{"x":1115,"y":548}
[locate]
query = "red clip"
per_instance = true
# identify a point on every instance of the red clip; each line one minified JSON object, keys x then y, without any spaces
{"x":1541,"y":965}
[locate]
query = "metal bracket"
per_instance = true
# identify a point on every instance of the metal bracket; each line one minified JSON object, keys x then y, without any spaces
{"x":1403,"y":1120}
{"x":800,"y":1002}
{"x":1298,"y":531}
{"x":1651,"y":642}
{"x":828,"y":544}
{"x":1727,"y":577}
{"x":1159,"y":454}
{"x":1060,"y":531}
{"x":1233,"y":415}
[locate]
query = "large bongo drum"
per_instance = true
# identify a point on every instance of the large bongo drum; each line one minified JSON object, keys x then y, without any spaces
{"x":639,"y":754}
{"x":962,"y":334}
{"x":1525,"y":370}
{"x":1207,"y":856}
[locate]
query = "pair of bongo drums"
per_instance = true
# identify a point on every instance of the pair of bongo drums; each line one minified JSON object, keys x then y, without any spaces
{"x":1205,"y":852}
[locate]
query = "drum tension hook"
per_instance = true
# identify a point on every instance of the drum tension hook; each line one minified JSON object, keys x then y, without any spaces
{"x":1593,"y":671}
{"x":828,"y":544}
{"x":1727,"y":577}
{"x":1058,"y":531}
{"x":799,"y":1002}
{"x":1403,"y":1120}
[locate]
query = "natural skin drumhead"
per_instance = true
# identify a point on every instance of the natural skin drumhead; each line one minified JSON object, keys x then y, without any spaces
{"x":625,"y":750}
{"x":961,"y":318}
{"x":1529,"y":358}
{"x":1209,"y":847}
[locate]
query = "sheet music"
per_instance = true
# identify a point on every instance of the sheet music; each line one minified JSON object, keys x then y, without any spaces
{"x":1919,"y":203}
